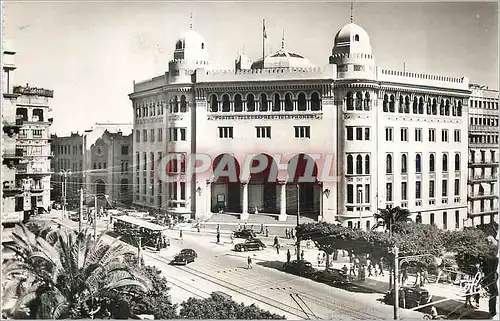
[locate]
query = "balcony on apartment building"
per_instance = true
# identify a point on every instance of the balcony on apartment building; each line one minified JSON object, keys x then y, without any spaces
{"x":484,"y":163}
{"x":482,"y":128}
{"x":483,"y":178}
{"x":12,"y":188}
{"x":26,"y":170}
{"x":482,"y":211}
{"x":481,"y":196}
{"x":12,"y":123}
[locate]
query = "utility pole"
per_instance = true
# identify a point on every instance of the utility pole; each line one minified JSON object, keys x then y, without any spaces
{"x":80,"y":218}
{"x":396,"y":283}
{"x":95,"y":216}
{"x":63,"y":187}
{"x":298,"y":220}
{"x":139,"y":247}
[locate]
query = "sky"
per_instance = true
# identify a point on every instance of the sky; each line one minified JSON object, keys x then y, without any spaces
{"x":90,"y":53}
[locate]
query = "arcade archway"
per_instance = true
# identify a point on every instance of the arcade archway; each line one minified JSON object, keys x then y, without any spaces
{"x":262,"y":188}
{"x":226,"y":187}
{"x":303,"y":189}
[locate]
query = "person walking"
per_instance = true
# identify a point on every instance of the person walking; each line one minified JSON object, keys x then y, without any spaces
{"x":218,"y":228}
{"x":275,"y":240}
{"x":278,"y":248}
{"x":218,"y":237}
{"x":249,"y":261}
{"x":370,"y":268}
{"x":425,"y":277}
{"x":286,"y":233}
{"x":232,"y":238}
{"x":477,"y":295}
{"x":352,"y":270}
{"x":302,"y":255}
{"x":239,"y":227}
{"x":288,"y":256}
{"x":319,"y":259}
{"x":292,"y":235}
{"x":267,"y":232}
{"x":261,"y":228}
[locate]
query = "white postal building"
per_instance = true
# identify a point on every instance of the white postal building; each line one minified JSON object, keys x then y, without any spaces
{"x":395,"y":138}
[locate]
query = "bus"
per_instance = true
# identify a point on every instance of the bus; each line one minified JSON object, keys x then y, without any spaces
{"x":152,"y":235}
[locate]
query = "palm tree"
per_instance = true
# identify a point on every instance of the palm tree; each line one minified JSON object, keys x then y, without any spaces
{"x":387,"y":217}
{"x":67,"y":274}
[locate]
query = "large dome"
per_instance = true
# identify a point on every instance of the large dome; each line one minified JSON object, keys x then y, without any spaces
{"x":191,"y":46}
{"x":283,"y":59}
{"x":351,"y":38}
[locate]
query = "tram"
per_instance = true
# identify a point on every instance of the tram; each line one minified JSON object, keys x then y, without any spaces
{"x":151,"y":235}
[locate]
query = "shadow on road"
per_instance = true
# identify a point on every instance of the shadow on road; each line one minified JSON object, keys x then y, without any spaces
{"x":351,"y":287}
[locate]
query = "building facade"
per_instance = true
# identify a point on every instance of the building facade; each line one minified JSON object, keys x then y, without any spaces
{"x":99,"y":161}
{"x":367,"y":136}
{"x":483,"y":155}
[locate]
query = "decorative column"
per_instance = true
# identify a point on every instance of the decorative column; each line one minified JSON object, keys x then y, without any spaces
{"x":283,"y":215}
{"x":244,"y":215}
{"x":308,"y":105}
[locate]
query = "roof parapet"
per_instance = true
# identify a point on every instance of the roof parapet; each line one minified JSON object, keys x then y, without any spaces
{"x":424,"y":79}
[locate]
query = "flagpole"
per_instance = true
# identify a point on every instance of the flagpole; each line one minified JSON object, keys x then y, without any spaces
{"x":263,"y":41}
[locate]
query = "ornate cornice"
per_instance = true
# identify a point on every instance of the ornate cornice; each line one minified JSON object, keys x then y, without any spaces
{"x":265,"y":116}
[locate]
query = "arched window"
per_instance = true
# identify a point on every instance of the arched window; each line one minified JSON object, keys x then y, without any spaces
{"x":459,"y":109}
{"x":238,"y":103}
{"x":176,"y":105}
{"x":214,"y":104}
{"x":457,"y":162}
{"x":392,"y":104}
{"x":349,"y":164}
{"x":407,"y":105}
{"x":226,"y":105}
{"x":421,"y":106}
{"x":202,"y":45}
{"x":315,"y":102}
{"x":441,"y":108}
{"x":277,"y":102}
{"x":356,"y":37}
{"x":415,"y":105}
{"x":429,"y":107}
{"x":178,"y":45}
{"x":434,"y":106}
{"x":367,"y":101}
{"x":183,"y":104}
{"x":359,"y":101}
{"x":404,"y":167}
{"x":250,"y":102}
{"x":263,"y":103}
{"x":431,"y":163}
{"x":359,"y":164}
{"x":445,"y":163}
{"x":418,"y":164}
{"x":350,"y":101}
{"x":401,"y":104}
{"x":367,"y":164}
{"x":385,"y":103}
{"x":302,"y":103}
{"x":288,"y":102}
{"x":388,"y":164}
{"x":447,"y":108}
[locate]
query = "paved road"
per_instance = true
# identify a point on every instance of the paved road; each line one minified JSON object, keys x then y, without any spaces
{"x":218,"y":269}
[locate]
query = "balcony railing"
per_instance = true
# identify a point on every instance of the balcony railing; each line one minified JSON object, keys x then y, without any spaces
{"x":12,"y":187}
{"x":483,"y":163}
{"x":13,"y":153}
{"x":483,"y":211}
{"x":481,"y":179}
{"x":483,"y":196}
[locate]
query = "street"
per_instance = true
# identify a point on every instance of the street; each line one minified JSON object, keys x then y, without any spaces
{"x":219,"y":268}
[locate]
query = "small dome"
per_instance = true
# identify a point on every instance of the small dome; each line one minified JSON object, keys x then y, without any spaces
{"x":283,"y":59}
{"x":354,"y":38}
{"x":191,"y":46}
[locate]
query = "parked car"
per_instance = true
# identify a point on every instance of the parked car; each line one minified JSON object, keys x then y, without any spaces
{"x":185,"y":256}
{"x":301,"y":268}
{"x":245,"y":234}
{"x":331,"y":277}
{"x":249,"y":245}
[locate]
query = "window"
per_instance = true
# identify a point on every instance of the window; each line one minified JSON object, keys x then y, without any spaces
{"x":388,"y":164}
{"x":432,"y":134}
{"x":183,"y":134}
{"x":174,"y":134}
{"x":418,"y":164}
{"x":457,"y":162}
{"x":445,"y":162}
{"x":445,"y":221}
{"x":367,"y":193}
{"x":444,"y":188}
{"x":388,"y":191}
{"x":302,"y":131}
{"x":144,"y":135}
{"x":225,"y":132}
{"x":404,"y":168}
{"x":183,"y":190}
{"x":418,"y":134}
{"x":137,"y":136}
{"x":350,"y":164}
{"x":350,"y":101}
{"x":404,"y":134}
{"x":431,"y":189}
{"x":37,"y":133}
{"x":457,"y":220}
{"x":367,"y":164}
{"x":359,"y":164}
{"x":418,"y":191}
{"x":444,"y":135}
{"x":457,"y":187}
{"x":152,"y":135}
{"x":160,"y":134}
{"x":388,"y":134}
{"x":350,"y":193}
{"x":432,"y":219}
{"x":350,"y":133}
{"x":125,"y":150}
{"x":263,"y":131}
{"x":404,"y":191}
{"x":431,"y":162}
{"x":456,"y":135}
{"x":359,"y":133}
{"x":367,"y":133}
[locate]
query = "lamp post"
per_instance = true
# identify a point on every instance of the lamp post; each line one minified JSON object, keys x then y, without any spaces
{"x":298,"y":220}
{"x":64,"y":174}
{"x":360,"y":198}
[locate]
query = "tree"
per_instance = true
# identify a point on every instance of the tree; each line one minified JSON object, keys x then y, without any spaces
{"x":219,"y":307}
{"x":71,"y":278}
{"x":386,"y":217}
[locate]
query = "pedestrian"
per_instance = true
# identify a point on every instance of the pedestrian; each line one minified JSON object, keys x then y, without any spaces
{"x":267,"y":232}
{"x":245,"y":226}
{"x":324,"y":258}
{"x":198,"y":227}
{"x":417,"y":279}
{"x":261,"y":228}
{"x":218,"y":237}
{"x":425,"y":277}
{"x":275,"y":240}
{"x":319,"y":259}
{"x":352,"y":270}
{"x":249,"y":261}
{"x":278,"y":248}
{"x":477,"y":295}
{"x":376,"y":269}
{"x":239,"y":227}
{"x":232,"y":239}
{"x":292,"y":235}
{"x":370,"y":268}
{"x":288,"y":255}
{"x":381,"y":268}
{"x":345,"y":269}
{"x":302,"y":255}
{"x":218,"y":228}
{"x":251,"y":227}
{"x":468,"y":296}
{"x":286,"y":233}
{"x":180,"y":234}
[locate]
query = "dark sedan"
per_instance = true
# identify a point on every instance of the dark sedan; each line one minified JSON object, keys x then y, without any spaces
{"x":244,"y":234}
{"x":331,"y":277}
{"x":250,"y":245}
{"x":185,"y":256}
{"x":301,"y":268}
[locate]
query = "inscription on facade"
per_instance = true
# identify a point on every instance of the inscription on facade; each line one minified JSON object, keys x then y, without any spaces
{"x":175,"y":117}
{"x":264,"y":117}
